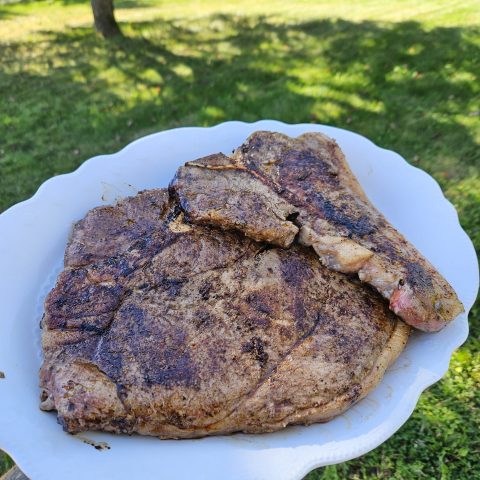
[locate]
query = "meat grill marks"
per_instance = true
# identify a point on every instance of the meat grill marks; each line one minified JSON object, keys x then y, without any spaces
{"x":137,"y":337}
{"x":325,"y":201}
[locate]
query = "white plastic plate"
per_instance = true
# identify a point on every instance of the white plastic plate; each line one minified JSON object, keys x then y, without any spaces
{"x":33,"y":236}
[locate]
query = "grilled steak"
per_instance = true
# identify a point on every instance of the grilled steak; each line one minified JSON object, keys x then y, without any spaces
{"x":320,"y":196}
{"x":164,"y":327}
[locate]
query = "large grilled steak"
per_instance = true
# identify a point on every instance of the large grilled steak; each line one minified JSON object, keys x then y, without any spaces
{"x":164,"y":327}
{"x":312,"y":189}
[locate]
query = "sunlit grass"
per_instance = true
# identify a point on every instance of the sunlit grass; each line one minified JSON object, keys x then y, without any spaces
{"x":404,"y":74}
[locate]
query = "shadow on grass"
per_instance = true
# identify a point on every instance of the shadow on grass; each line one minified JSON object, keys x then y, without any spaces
{"x":7,"y":14}
{"x":400,"y":85}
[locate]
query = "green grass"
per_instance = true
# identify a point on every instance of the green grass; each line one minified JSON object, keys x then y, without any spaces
{"x":404,"y":74}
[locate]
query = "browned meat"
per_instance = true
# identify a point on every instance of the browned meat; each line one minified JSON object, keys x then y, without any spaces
{"x":115,"y":228}
{"x":334,"y":215}
{"x":213,"y":191}
{"x":167,"y":328}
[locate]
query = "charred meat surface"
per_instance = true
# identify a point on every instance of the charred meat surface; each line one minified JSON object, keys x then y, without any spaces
{"x":165,"y":327}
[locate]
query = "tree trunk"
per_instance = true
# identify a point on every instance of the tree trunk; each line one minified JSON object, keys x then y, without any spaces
{"x":105,"y":21}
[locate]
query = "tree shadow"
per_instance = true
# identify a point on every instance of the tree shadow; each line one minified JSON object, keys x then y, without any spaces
{"x":399,"y":84}
{"x":388,"y":80}
{"x":7,"y":14}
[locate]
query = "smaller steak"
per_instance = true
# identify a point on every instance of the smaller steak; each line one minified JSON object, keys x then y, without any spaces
{"x":348,"y":233}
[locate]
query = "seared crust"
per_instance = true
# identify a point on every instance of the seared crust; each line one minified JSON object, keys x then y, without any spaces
{"x":188,"y":330}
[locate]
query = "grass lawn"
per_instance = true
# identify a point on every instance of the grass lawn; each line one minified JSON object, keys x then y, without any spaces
{"x":403,"y":73}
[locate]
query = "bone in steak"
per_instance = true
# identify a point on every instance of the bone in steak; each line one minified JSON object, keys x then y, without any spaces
{"x":163,"y":327}
{"x":321,"y":196}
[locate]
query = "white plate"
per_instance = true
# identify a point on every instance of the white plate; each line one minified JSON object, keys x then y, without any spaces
{"x":33,"y":235}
